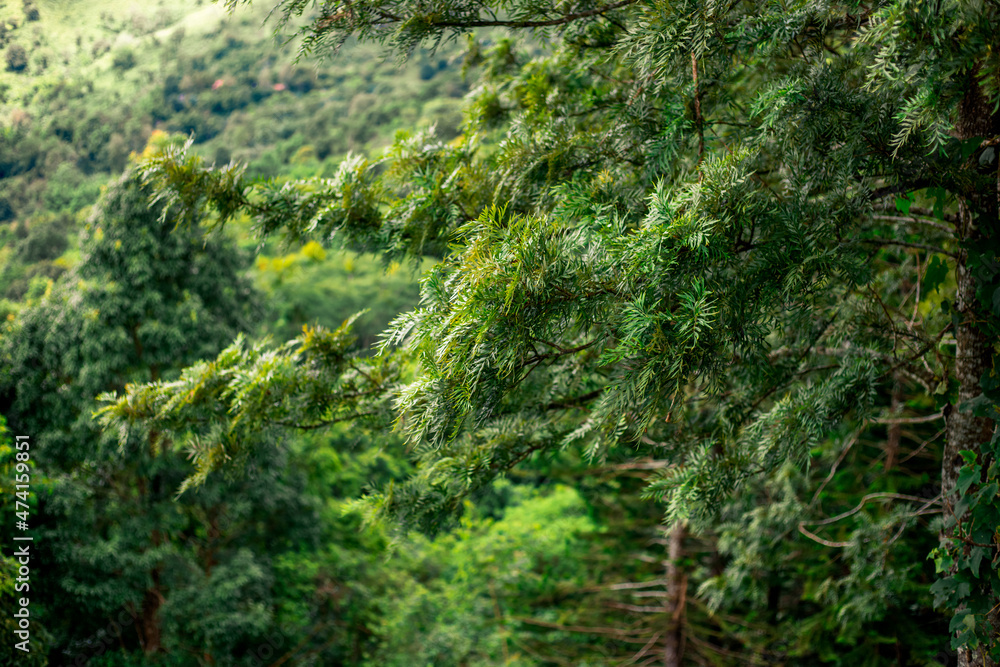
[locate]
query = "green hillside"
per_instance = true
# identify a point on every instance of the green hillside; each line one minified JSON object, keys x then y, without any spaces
{"x":70,"y":123}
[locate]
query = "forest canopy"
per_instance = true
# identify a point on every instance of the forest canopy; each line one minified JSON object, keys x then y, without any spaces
{"x":725,"y":274}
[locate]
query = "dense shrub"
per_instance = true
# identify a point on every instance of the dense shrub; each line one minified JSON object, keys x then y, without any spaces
{"x":6,"y":210}
{"x":31,"y":11}
{"x":124,"y":59}
{"x":43,"y":239}
{"x":17,"y":58}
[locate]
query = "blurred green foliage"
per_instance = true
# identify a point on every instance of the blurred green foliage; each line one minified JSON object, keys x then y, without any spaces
{"x":561,"y":561}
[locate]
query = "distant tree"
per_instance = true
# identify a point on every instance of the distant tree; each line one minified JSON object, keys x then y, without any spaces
{"x":427,"y":71}
{"x":17,"y":58}
{"x":124,"y":59}
{"x":143,"y":301}
{"x":31,"y":11}
{"x":45,"y":239}
{"x":7,"y":212}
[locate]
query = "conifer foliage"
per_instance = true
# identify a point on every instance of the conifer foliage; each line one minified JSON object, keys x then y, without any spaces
{"x":754,"y":240}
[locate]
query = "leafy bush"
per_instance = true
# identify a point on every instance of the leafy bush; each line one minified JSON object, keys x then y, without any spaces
{"x":6,"y":210}
{"x":124,"y":59}
{"x":45,"y":239}
{"x":17,"y":58}
{"x":31,"y":11}
{"x":69,"y":190}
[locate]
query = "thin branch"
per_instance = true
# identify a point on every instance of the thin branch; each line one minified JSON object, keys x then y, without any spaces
{"x":889,"y":191}
{"x":922,"y":445}
{"x":642,"y":652}
{"x":721,"y":651}
{"x":579,"y":628}
{"x":840,"y":459}
{"x":628,"y":585}
{"x":917,"y":373}
{"x":565,"y":18}
{"x":910,"y":420}
{"x":538,"y":656}
{"x":916,"y":211}
{"x":970,"y":541}
{"x":561,"y":351}
{"x":905,"y":244}
{"x":919,"y":512}
{"x":638,"y":465}
{"x":864,"y":501}
{"x":574,"y":401}
{"x":891,"y":322}
{"x":324,"y":423}
{"x":636,"y":608}
{"x":930,"y":222}
{"x":816,"y":538}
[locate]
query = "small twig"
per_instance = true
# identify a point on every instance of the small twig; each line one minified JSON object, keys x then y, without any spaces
{"x":922,"y":445}
{"x":930,"y":222}
{"x":840,"y":459}
{"x":637,"y":465}
{"x":635,"y":608}
{"x":910,"y":420}
{"x":630,"y":585}
{"x":906,"y":244}
{"x":916,"y":301}
{"x":324,"y":423}
{"x":919,"y":512}
{"x":721,"y":651}
{"x":892,"y":326}
{"x":579,"y":628}
{"x":642,"y":652}
{"x":574,"y":401}
{"x":891,"y":190}
{"x":816,"y":538}
{"x":871,"y":496}
{"x":561,"y":352}
{"x":916,"y":212}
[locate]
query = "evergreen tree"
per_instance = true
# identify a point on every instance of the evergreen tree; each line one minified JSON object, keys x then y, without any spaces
{"x":734,"y":238}
{"x":125,"y":566}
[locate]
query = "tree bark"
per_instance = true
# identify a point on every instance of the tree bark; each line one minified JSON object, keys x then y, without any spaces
{"x":965,"y":431}
{"x":973,"y":354}
{"x":673,"y":651}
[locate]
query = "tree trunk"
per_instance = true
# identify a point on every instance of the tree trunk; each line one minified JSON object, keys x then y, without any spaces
{"x":673,"y":651}
{"x":149,"y":623}
{"x":965,"y":431}
{"x":973,"y":354}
